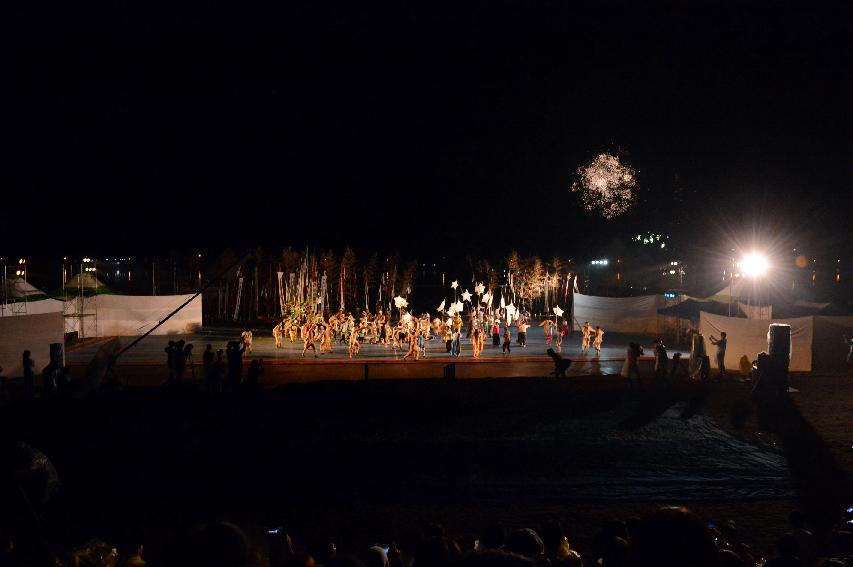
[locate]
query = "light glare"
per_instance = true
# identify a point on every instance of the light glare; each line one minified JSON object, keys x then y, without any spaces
{"x":754,"y":265}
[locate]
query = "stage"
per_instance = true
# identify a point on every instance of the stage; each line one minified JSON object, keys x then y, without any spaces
{"x":144,"y":364}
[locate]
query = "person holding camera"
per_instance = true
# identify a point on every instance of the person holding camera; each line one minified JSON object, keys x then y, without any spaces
{"x":721,"y":344}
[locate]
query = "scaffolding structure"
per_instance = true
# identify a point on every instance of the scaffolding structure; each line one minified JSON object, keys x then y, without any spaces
{"x":80,"y":312}
{"x":18,"y":305}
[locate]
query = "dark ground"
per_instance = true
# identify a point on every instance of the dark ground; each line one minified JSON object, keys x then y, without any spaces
{"x":370,"y":461}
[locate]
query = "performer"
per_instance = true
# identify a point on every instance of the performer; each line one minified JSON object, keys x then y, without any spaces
{"x":354,"y":345}
{"x":326,"y":341}
{"x":246,"y":339}
{"x":507,"y":340}
{"x":388,"y":339}
{"x":522,"y":332}
{"x":475,"y":342}
{"x":548,"y":326}
{"x":455,"y":346}
{"x":598,"y":337}
{"x":308,"y":339}
{"x":496,"y":332}
{"x":277,"y":332}
{"x":423,"y":333}
{"x":586,"y":333}
{"x":414,"y":348}
{"x":560,"y":334}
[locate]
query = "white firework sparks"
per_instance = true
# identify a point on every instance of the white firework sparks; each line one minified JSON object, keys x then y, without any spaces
{"x":606,"y":186}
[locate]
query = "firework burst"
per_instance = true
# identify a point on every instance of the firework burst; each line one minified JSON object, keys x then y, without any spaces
{"x":606,"y":186}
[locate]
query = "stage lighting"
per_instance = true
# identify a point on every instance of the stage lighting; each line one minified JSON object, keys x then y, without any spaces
{"x":754,"y":265}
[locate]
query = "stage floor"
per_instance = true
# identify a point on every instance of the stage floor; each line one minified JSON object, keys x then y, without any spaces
{"x":286,"y":365}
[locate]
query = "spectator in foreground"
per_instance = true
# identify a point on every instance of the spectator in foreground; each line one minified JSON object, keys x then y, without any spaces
{"x":253,"y":376}
{"x":673,"y":537}
{"x":496,"y":558}
{"x":805,"y":539}
{"x":789,"y":553}
{"x":207,"y":359}
{"x":220,"y":544}
{"x":493,"y":538}
{"x":527,"y":543}
{"x":557,"y":549}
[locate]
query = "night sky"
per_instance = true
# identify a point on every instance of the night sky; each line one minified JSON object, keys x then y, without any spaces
{"x":426,"y":128}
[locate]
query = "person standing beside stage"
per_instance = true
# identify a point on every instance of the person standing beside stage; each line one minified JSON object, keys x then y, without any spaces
{"x":207,"y":361}
{"x":234,"y":352}
{"x":661,"y":360}
{"x":29,"y":375}
{"x":631,"y":366}
{"x":721,"y":344}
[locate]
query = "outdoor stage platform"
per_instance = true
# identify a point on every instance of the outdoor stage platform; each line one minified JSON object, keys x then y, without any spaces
{"x":144,"y":364}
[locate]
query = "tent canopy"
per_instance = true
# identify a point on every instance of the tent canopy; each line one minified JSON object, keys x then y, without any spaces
{"x":18,"y":288}
{"x":87,"y":279}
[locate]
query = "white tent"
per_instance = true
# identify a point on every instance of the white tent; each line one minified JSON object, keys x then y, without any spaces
{"x":89,"y":280}
{"x":18,"y":288}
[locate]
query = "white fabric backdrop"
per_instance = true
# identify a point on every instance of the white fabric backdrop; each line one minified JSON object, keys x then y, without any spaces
{"x":132,"y":315}
{"x":620,"y":314}
{"x":749,"y":337}
{"x":28,"y":332}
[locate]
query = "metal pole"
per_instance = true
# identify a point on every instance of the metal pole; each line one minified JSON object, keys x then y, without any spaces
{"x":731,"y":285}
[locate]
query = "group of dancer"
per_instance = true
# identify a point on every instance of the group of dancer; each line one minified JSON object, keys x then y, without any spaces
{"x":320,"y":334}
{"x":410,"y":333}
{"x":554,"y":334}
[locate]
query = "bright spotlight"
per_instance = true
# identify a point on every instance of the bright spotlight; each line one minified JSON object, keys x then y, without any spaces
{"x":754,"y":265}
